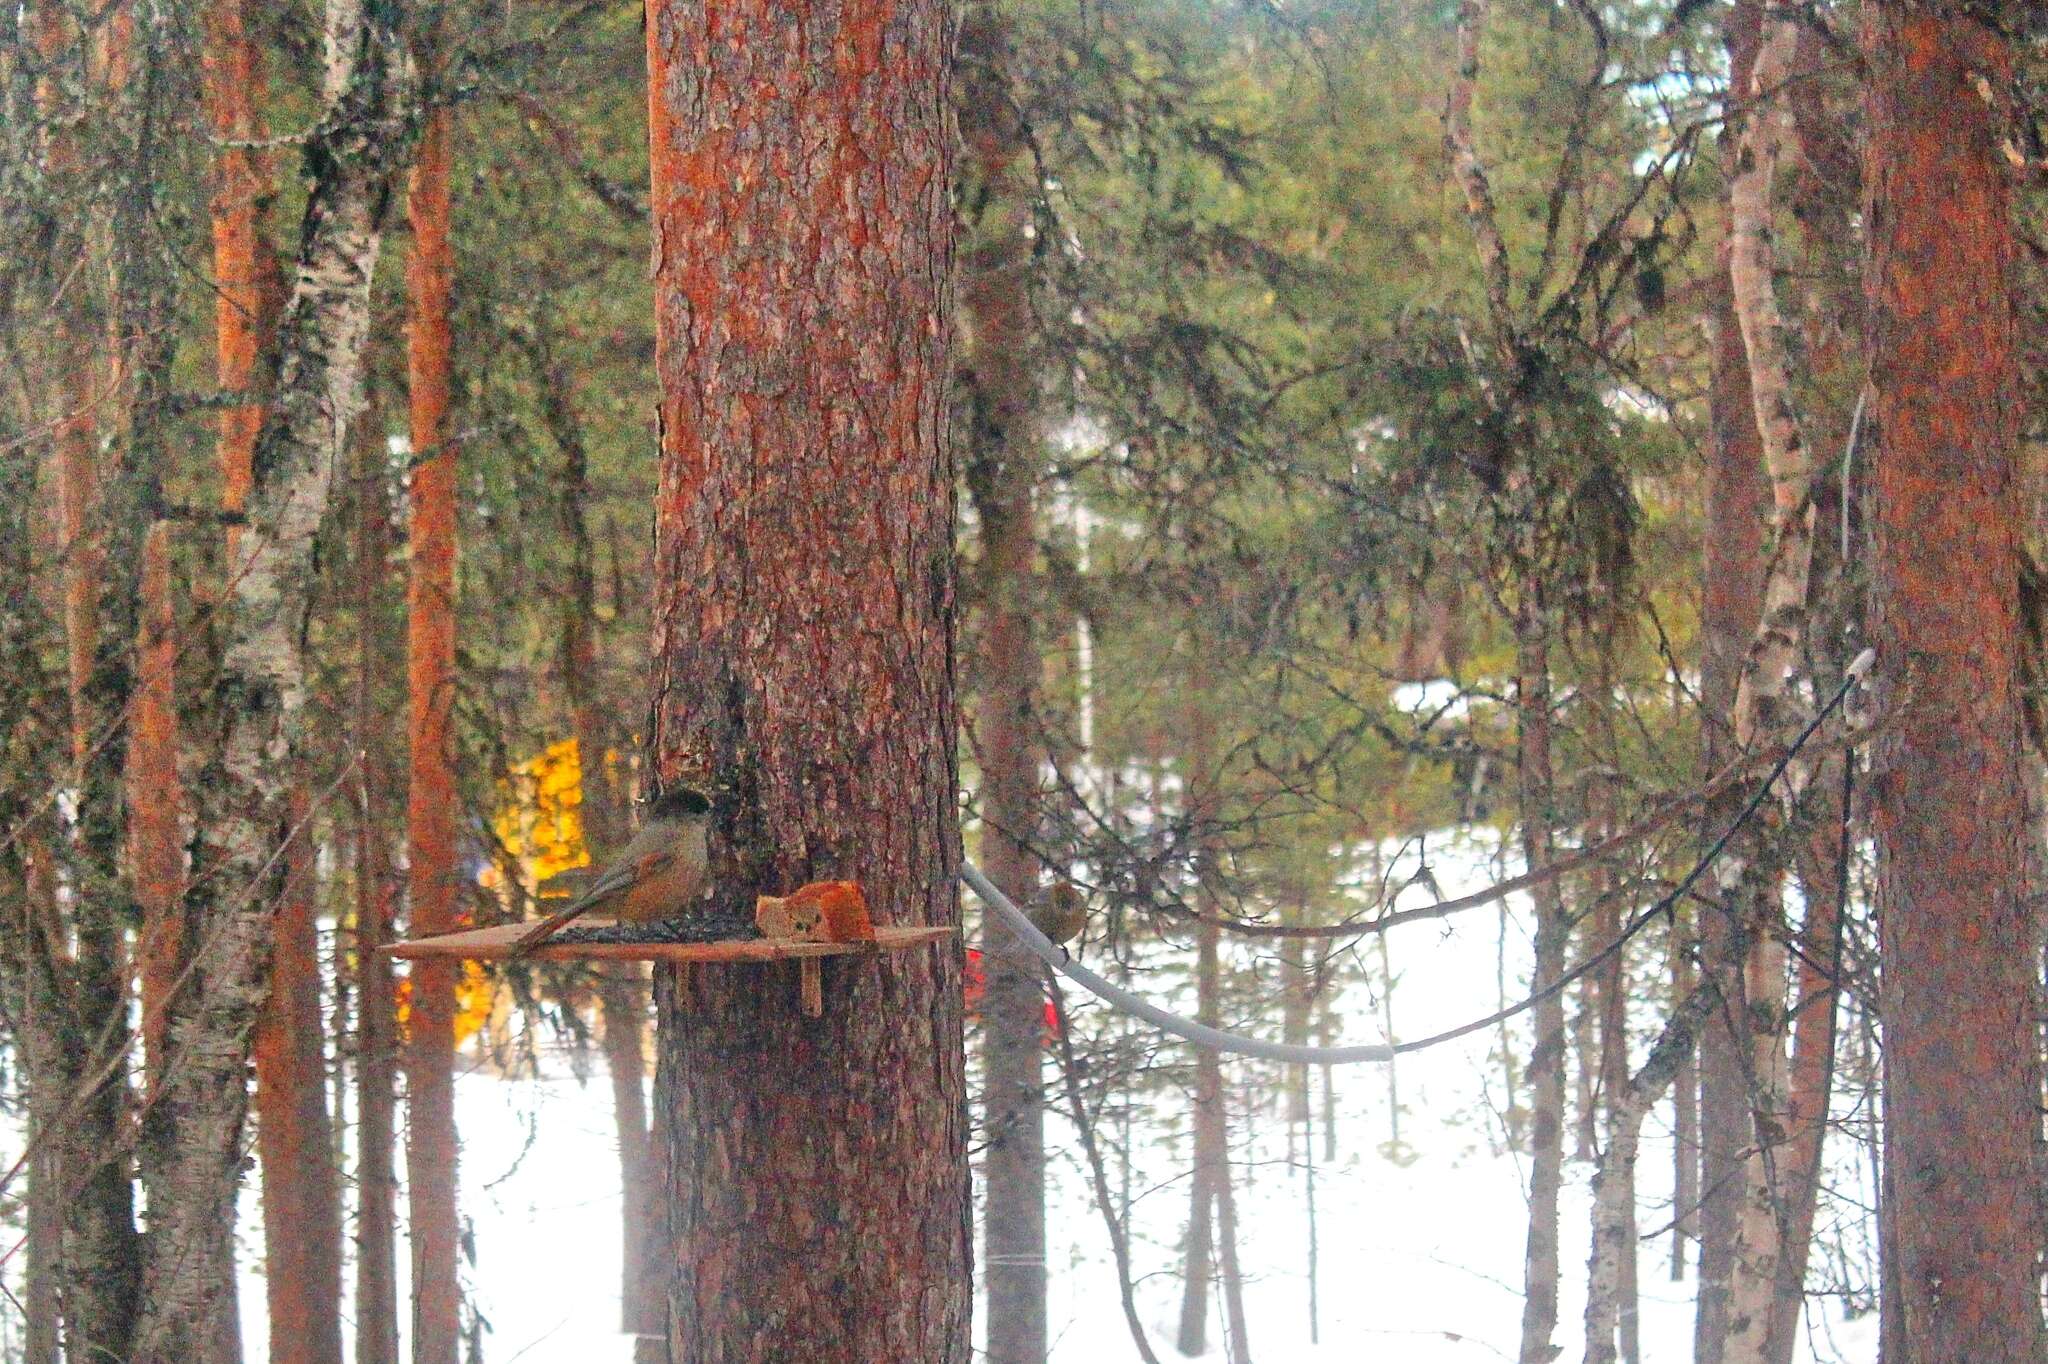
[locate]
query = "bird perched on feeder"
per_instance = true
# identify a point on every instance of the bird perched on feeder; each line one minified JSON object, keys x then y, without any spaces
{"x":1061,"y":914}
{"x":663,"y":869}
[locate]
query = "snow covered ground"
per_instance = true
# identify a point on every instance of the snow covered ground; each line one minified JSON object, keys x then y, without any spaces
{"x":1419,"y":1245}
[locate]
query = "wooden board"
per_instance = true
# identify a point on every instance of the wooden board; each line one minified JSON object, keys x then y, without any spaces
{"x":496,"y":942}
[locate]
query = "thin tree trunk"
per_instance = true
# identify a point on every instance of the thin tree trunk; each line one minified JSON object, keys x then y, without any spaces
{"x":39,"y":1045}
{"x":1297,"y":987}
{"x":432,"y":868}
{"x":193,"y":1133}
{"x":1117,"y":1227}
{"x":997,"y":381}
{"x":801,"y":175}
{"x":1813,"y":1056}
{"x":1235,"y":1321}
{"x":234,"y":87}
{"x":1534,"y":786}
{"x":1824,"y":197}
{"x":246,"y":300}
{"x":1737,"y":511}
{"x":1585,"y":1045}
{"x":1685,"y":1120}
{"x":301,"y":1197}
{"x":1612,"y":992}
{"x":1962,"y":1121}
{"x":622,"y":986}
{"x":376,"y":1335}
{"x":1747,"y":873}
{"x":86,"y":996}
{"x":1210,"y":1126}
{"x":1614,"y":1178}
{"x":155,"y":797}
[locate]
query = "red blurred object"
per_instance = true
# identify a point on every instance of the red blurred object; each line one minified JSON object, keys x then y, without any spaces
{"x":974,"y":984}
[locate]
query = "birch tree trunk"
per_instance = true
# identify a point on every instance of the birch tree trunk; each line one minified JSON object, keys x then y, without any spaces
{"x":1747,"y":874}
{"x":804,"y":669}
{"x":1614,"y":1179}
{"x":1737,"y":511}
{"x":1962,"y":1122}
{"x":193,"y":1132}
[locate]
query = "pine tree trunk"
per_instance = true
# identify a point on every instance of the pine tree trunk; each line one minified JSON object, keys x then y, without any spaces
{"x":154,"y":799}
{"x":997,"y":383}
{"x":1948,"y":807}
{"x":804,"y":664}
{"x":234,"y":87}
{"x":432,"y":868}
{"x":301,"y":1197}
{"x":86,"y":995}
{"x":376,"y":1305}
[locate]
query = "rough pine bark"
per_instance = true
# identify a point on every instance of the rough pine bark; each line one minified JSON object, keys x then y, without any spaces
{"x":192,"y":1135}
{"x":1947,"y":802}
{"x":818,"y":1197}
{"x":432,"y":890}
{"x":997,"y":384}
{"x":233,"y":89}
{"x":301,"y":1196}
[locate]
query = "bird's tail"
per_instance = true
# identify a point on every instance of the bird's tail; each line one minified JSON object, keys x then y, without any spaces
{"x":548,"y":927}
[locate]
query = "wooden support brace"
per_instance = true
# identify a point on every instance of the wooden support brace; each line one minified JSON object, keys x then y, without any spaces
{"x":811,"y":986}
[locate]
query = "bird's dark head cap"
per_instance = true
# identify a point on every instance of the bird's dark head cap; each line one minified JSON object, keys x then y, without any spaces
{"x":681,"y":802}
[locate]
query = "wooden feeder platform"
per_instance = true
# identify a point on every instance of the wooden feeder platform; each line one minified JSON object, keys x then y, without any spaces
{"x":496,"y":943}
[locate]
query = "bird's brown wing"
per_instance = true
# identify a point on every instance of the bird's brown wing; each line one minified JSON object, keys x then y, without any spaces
{"x":621,"y":876}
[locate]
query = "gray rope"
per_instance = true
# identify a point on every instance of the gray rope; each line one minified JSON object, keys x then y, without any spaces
{"x":1202,"y":1035}
{"x":1215,"y":1039}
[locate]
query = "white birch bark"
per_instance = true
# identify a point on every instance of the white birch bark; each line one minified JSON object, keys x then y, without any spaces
{"x":193,"y":1138}
{"x":1614,"y":1176}
{"x":1764,"y":700}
